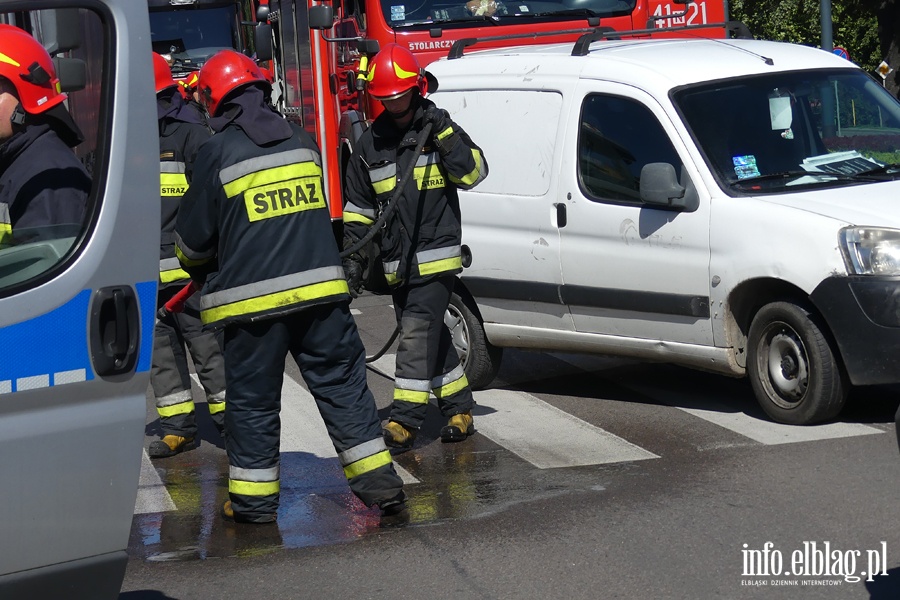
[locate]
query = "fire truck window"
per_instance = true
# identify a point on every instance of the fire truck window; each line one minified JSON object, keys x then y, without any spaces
{"x":618,"y":137}
{"x":47,"y":206}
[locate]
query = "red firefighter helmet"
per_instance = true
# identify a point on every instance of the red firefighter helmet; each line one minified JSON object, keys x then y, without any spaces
{"x":393,"y":72}
{"x":225,"y":72}
{"x":27,"y":65}
{"x":162,"y":73}
{"x":188,"y":85}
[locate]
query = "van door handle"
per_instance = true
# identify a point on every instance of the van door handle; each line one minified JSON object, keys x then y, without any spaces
{"x":114,"y":330}
{"x":560,"y":214}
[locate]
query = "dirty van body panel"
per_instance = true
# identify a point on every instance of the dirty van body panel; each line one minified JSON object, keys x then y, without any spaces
{"x":629,"y":269}
{"x":71,"y":412}
{"x":774,"y":242}
{"x":803,"y":252}
{"x":510,"y":218}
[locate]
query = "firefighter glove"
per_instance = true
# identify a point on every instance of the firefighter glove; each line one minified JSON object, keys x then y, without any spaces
{"x":440,"y":124}
{"x":353,"y":271}
{"x":438,"y":117}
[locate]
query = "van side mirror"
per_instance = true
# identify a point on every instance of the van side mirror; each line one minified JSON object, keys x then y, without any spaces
{"x":71,"y":72}
{"x":262,"y":38}
{"x":321,"y":16}
{"x":660,"y":188}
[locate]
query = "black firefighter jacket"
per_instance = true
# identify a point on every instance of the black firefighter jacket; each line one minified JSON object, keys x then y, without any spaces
{"x":422,"y":237}
{"x":255,"y":225}
{"x":43,"y":187}
{"x":181,"y":132}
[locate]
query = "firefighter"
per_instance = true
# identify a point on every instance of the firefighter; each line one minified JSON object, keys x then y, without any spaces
{"x":189,"y":91}
{"x":420,"y":242}
{"x":181,"y":131}
{"x":43,"y":186}
{"x":257,"y":216}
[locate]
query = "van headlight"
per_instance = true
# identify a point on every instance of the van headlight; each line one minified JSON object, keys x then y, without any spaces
{"x":871,"y":250}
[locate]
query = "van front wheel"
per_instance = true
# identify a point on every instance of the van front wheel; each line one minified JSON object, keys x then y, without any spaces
{"x":480,"y":359}
{"x":793,"y":369}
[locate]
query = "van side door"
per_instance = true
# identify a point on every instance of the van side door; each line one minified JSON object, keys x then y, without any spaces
{"x":510,"y":218}
{"x":77,"y":311}
{"x":630,"y":269}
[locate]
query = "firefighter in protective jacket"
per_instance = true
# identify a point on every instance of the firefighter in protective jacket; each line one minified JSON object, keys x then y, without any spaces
{"x":43,"y":186}
{"x":420,"y":242}
{"x":181,"y":131}
{"x":255,"y":226}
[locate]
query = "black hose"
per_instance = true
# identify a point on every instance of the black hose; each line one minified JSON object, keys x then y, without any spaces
{"x":388,"y":209}
{"x":392,"y":203}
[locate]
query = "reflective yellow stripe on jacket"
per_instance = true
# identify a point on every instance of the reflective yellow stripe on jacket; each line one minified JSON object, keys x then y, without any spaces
{"x":5,"y":224}
{"x":172,"y":180}
{"x":269,"y":294}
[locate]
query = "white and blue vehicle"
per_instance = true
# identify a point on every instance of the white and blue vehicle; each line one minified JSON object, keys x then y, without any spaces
{"x":76,"y":319}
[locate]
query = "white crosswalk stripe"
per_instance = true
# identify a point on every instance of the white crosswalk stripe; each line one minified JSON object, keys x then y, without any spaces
{"x":152,"y":496}
{"x":519,"y":422}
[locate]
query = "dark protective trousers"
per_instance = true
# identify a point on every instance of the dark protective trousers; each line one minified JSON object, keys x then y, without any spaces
{"x":427,"y":362}
{"x":325,"y":343}
{"x":170,"y":376}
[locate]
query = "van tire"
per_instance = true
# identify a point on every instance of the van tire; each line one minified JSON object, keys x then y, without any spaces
{"x":480,"y":358}
{"x":794,"y":371}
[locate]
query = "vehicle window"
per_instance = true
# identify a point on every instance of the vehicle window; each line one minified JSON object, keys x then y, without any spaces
{"x":49,"y":152}
{"x":618,"y":137}
{"x":783,"y":131}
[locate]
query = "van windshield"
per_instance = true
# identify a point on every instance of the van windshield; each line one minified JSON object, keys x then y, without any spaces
{"x":406,"y":13}
{"x":774,"y":133}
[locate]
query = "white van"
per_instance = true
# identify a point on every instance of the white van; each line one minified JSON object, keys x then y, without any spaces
{"x":727,"y":205}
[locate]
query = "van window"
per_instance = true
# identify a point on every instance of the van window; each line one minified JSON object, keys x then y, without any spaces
{"x":618,"y":136}
{"x":45,"y":207}
{"x":516,"y":130}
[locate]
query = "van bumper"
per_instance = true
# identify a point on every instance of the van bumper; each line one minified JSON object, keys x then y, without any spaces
{"x":863,"y":313}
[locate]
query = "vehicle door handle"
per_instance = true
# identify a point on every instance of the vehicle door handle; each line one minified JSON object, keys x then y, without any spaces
{"x":114,"y":330}
{"x":561,"y":218}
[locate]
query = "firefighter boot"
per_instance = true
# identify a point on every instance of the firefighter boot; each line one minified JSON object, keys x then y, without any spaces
{"x":394,"y":512}
{"x":398,"y":436}
{"x":229,"y":515}
{"x":458,"y":428}
{"x":170,"y":445}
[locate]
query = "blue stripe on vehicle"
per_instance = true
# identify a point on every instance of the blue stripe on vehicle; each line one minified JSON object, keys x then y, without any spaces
{"x":52,"y":349}
{"x":146,"y":292}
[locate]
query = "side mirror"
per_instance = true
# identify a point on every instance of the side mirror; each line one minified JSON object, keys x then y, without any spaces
{"x":72,"y":73}
{"x":321,"y":16}
{"x":60,"y":30}
{"x":660,"y":188}
{"x":262,"y":38}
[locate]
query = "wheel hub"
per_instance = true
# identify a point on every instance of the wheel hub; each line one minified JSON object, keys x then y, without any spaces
{"x":788,"y":370}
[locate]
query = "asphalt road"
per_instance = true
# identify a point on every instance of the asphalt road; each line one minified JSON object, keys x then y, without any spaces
{"x":588,"y":477}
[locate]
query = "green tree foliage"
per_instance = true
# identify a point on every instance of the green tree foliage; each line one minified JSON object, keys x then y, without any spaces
{"x":854,"y":24}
